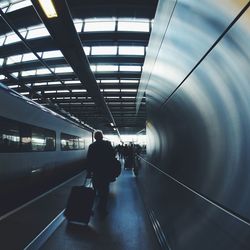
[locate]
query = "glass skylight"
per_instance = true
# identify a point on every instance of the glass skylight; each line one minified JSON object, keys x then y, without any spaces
{"x":1,"y":61}
{"x":40,"y":84}
{"x":13,"y":86}
{"x":4,"y":4}
{"x":104,"y":50}
{"x":28,"y":73}
{"x":131,"y":50}
{"x":52,"y":54}
{"x":63,"y":91}
{"x":78,"y":90}
{"x":54,"y":83}
{"x":133,"y":25}
{"x":129,"y":81}
{"x":50,"y":91}
{"x":78,"y":25}
{"x":93,"y":67}
{"x":106,"y":68}
{"x":24,"y":93}
{"x":37,"y":32}
{"x":86,"y":50}
{"x":63,"y":70}
{"x":111,"y":90}
{"x":43,"y":71}
{"x":2,"y":38}
{"x":11,"y":38}
{"x":2,"y":77}
{"x":128,"y":90}
{"x":19,"y":5}
{"x":93,"y":25}
{"x":14,"y":59}
{"x":72,"y":82}
{"x":130,"y":68}
{"x":29,"y":57}
{"x":112,"y":97}
{"x":14,"y":74}
{"x":110,"y":81}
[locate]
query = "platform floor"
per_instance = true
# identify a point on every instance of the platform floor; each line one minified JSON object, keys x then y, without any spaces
{"x":126,"y":227}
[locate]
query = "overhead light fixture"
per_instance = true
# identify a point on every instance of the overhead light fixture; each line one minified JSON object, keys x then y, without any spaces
{"x":48,"y":8}
{"x":111,"y":124}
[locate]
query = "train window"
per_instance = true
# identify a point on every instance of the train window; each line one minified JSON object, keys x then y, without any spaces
{"x":25,"y":132}
{"x":21,"y":137}
{"x":71,"y":142}
{"x":81,"y":143}
{"x":42,"y":139}
{"x":9,"y":136}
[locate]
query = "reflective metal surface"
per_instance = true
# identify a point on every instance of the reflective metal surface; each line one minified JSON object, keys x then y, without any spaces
{"x":198,"y":99}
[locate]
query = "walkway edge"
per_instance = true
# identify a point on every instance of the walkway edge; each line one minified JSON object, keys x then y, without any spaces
{"x":37,"y":242}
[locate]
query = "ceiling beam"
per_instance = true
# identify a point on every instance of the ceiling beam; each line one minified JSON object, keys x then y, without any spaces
{"x":63,"y":32}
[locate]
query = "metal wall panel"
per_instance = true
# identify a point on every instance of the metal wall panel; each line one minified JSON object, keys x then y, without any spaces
{"x":198,"y":138}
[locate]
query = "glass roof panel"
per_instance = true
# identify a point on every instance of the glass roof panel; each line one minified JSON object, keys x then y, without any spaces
{"x":63,"y":91}
{"x":4,"y":4}
{"x":13,"y":86}
{"x":133,"y":25}
{"x":14,"y":74}
{"x":2,"y":38}
{"x":93,"y":25}
{"x":40,"y":84}
{"x":24,"y":93}
{"x":43,"y":71}
{"x":39,"y":32}
{"x":11,"y":38}
{"x":86,"y":50}
{"x":2,"y":77}
{"x":109,"y":81}
{"x":131,"y":50}
{"x":52,"y":54}
{"x":19,"y":5}
{"x":111,"y":90}
{"x":106,"y":68}
{"x":104,"y":50}
{"x":72,"y":82}
{"x":29,"y":57}
{"x":63,"y":70}
{"x":129,"y":81}
{"x":130,"y":68}
{"x":78,"y":25}
{"x":78,"y":90}
{"x":50,"y":91}
{"x":28,"y":72}
{"x":14,"y":59}
{"x":1,"y":61}
{"x":93,"y":67}
{"x":54,"y":83}
{"x":128,"y":90}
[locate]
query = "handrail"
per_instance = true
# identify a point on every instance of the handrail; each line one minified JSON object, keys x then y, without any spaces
{"x":214,"y":203}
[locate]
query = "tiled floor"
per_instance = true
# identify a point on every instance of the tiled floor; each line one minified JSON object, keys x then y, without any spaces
{"x":126,"y":227}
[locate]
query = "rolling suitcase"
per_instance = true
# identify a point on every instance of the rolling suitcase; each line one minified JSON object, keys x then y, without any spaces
{"x":80,"y":204}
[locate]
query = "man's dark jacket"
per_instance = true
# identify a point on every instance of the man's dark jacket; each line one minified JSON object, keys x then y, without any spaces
{"x":99,"y":160}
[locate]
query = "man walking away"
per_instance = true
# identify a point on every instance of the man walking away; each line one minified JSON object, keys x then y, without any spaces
{"x":99,"y":162}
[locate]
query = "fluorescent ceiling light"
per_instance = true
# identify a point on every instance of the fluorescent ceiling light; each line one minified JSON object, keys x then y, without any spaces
{"x":48,"y":8}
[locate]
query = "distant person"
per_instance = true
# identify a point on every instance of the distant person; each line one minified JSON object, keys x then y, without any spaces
{"x":99,"y":160}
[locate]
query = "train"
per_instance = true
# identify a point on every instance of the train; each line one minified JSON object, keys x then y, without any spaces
{"x":36,"y":143}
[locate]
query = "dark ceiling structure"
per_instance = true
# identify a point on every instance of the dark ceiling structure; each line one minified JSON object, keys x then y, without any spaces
{"x":85,"y":64}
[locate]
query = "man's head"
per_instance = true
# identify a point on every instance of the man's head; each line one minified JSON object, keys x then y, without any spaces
{"x":98,"y":135}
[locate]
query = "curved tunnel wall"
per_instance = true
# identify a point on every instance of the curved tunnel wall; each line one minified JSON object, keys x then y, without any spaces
{"x":196,"y":178}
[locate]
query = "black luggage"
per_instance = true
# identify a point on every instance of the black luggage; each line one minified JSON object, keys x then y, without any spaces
{"x":80,"y":204}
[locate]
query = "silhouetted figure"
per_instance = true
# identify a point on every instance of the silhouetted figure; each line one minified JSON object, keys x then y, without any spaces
{"x":99,"y":161}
